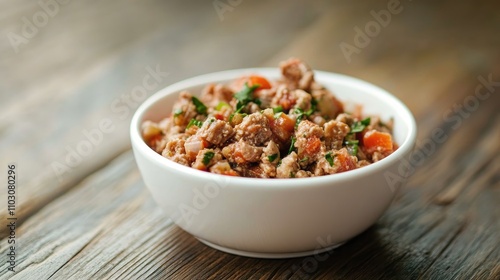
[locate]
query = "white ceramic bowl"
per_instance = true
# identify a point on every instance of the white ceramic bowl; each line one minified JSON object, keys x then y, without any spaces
{"x":274,"y":218}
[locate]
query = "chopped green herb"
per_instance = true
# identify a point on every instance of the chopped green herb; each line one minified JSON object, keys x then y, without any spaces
{"x":207,"y":157}
{"x":178,"y":112}
{"x":212,"y":120}
{"x":292,"y":175}
{"x":314,"y":105}
{"x":194,"y":122}
{"x":300,"y":116}
{"x":237,"y":113}
{"x":304,"y":159}
{"x":272,"y":157}
{"x":221,"y":105}
{"x":360,"y":126}
{"x":278,"y":109}
{"x":277,"y":115}
{"x":257,"y":101}
{"x":290,"y":150}
{"x":329,"y":158}
{"x":200,"y":107}
{"x":352,"y":146}
{"x":279,"y":162}
{"x":245,"y":96}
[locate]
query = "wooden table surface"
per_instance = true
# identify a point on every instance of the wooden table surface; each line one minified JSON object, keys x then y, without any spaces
{"x":65,"y":67}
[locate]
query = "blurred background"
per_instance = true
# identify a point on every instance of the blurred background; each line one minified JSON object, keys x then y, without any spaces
{"x":70,"y":67}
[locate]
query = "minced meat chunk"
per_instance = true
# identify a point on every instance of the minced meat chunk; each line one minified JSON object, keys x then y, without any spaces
{"x":335,"y":162}
{"x":242,"y":152}
{"x":206,"y":158}
{"x":288,"y":167}
{"x":254,"y":129}
{"x":271,"y":153}
{"x":308,"y":142}
{"x":334,"y":134}
{"x":184,"y":109}
{"x":303,"y":100}
{"x":297,"y":74}
{"x":328,"y":106}
{"x":212,"y":95}
{"x":224,"y":168}
{"x":215,"y":131}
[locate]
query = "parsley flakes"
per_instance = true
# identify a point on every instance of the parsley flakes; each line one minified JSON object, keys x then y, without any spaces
{"x":200,"y":107}
{"x":272,"y":157}
{"x":207,"y":157}
{"x":352,"y":146}
{"x":245,"y":96}
{"x":360,"y":126}
{"x":329,"y":157}
{"x":194,"y":122}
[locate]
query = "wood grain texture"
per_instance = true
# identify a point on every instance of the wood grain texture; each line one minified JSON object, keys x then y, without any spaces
{"x":98,"y":221}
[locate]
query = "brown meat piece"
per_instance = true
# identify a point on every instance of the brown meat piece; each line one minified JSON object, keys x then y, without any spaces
{"x":328,"y":106}
{"x":174,"y":150}
{"x":289,"y":166}
{"x":242,"y":152}
{"x":303,"y":174}
{"x":268,"y":169}
{"x":303,"y":100}
{"x":284,"y":97}
{"x":223,"y":167}
{"x":377,"y":124}
{"x":193,"y":145}
{"x":271,"y":151}
{"x":342,"y":161}
{"x":212,"y":95}
{"x":297,"y":74}
{"x":173,"y":147}
{"x":265,"y":96}
{"x":317,"y":119}
{"x":215,"y":131}
{"x":282,"y":127}
{"x":254,"y":129}
{"x":345,"y":118}
{"x":206,"y":158}
{"x":254,"y":171}
{"x":308,"y":142}
{"x":150,"y":130}
{"x":334,"y":134}
{"x":251,"y":108}
{"x":184,"y":110}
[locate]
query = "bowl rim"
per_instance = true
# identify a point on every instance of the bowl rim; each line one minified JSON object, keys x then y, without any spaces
{"x":405,"y":147}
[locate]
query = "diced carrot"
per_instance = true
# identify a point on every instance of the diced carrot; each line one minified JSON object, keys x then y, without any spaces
{"x":219,"y":116}
{"x":231,"y":173}
{"x":376,"y":141}
{"x":345,"y":160}
{"x":252,"y":80}
{"x":287,"y":101}
{"x":282,"y":127}
{"x":313,"y":146}
{"x":238,"y":157}
{"x":205,"y":143}
{"x":154,"y":139}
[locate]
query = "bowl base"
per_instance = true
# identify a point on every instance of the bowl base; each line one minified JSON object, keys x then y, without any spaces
{"x":269,"y":255}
